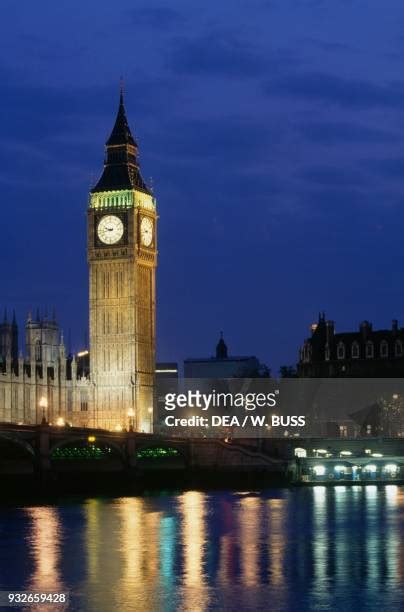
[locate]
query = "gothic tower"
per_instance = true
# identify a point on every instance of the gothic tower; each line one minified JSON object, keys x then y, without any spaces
{"x":122,"y":258}
{"x":42,"y":339}
{"x":9,"y":338}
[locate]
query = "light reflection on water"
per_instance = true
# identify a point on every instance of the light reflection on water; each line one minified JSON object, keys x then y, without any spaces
{"x":315,"y":548}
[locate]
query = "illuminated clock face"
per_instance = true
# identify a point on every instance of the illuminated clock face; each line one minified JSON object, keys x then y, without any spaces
{"x":146,"y":231}
{"x":110,"y":229}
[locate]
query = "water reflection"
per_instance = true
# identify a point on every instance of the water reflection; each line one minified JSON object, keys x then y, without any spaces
{"x":44,"y":542}
{"x":249,"y":518}
{"x":321,"y":541}
{"x":314,"y":548}
{"x":192,"y":508}
{"x":276,"y":517}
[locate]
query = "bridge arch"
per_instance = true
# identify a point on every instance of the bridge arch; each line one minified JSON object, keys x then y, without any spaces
{"x":13,"y":442}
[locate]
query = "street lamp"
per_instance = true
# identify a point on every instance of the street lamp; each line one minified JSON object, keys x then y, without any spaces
{"x":60,"y":422}
{"x":131,"y":417}
{"x":150,"y":411}
{"x":43,"y":403}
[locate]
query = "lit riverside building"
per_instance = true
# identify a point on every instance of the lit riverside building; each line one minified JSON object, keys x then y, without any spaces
{"x":122,"y":259}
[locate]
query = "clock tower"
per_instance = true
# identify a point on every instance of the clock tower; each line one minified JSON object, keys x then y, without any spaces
{"x":122,"y":259}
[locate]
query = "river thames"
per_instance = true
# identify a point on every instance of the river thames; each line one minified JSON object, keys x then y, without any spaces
{"x":335,"y":548}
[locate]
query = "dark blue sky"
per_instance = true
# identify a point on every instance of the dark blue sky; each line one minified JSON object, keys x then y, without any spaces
{"x":274,"y":133}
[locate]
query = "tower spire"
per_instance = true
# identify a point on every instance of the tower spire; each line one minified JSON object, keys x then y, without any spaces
{"x":121,"y":86}
{"x":121,"y":134}
{"x":121,"y":167}
{"x":221,"y":348}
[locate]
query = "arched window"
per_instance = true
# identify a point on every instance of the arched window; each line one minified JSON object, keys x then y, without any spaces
{"x":341,"y":350}
{"x":38,"y":352}
{"x":327,"y":353}
{"x":355,"y":350}
{"x":384,"y":349}
{"x":306,"y":353}
{"x":399,"y":348}
{"x":369,"y":350}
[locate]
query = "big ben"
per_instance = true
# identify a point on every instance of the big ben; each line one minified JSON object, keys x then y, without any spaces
{"x":122,"y":258}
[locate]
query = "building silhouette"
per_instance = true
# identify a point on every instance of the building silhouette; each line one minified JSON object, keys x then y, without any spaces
{"x":223,"y":365}
{"x":360,"y":354}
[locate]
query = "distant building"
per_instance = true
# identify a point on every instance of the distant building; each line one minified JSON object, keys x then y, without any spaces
{"x":360,"y":354}
{"x":43,"y":373}
{"x":166,"y":382}
{"x":224,"y":366}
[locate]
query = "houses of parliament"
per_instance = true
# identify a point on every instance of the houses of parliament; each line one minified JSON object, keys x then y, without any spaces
{"x":115,"y":381}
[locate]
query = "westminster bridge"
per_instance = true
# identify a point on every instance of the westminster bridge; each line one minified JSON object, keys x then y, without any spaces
{"x":52,"y":452}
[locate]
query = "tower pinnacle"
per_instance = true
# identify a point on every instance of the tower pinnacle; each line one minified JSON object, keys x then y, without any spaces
{"x":221,"y":348}
{"x":121,"y":133}
{"x":121,"y":167}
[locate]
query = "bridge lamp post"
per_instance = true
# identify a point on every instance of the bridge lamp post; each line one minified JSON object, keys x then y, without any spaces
{"x":131,"y":417}
{"x":43,"y":403}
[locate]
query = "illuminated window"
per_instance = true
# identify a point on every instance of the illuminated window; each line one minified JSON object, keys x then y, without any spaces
{"x":391,"y":468}
{"x":370,"y":468}
{"x":84,"y":405}
{"x":319,"y":470}
{"x":340,"y":469}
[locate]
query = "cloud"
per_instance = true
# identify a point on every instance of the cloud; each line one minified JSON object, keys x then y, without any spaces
{"x":337,"y":132}
{"x":388,"y":168}
{"x":226,"y":138}
{"x":339,"y":91}
{"x":157,"y":17}
{"x":322,"y":175}
{"x":327,"y":45}
{"x":217,"y":54}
